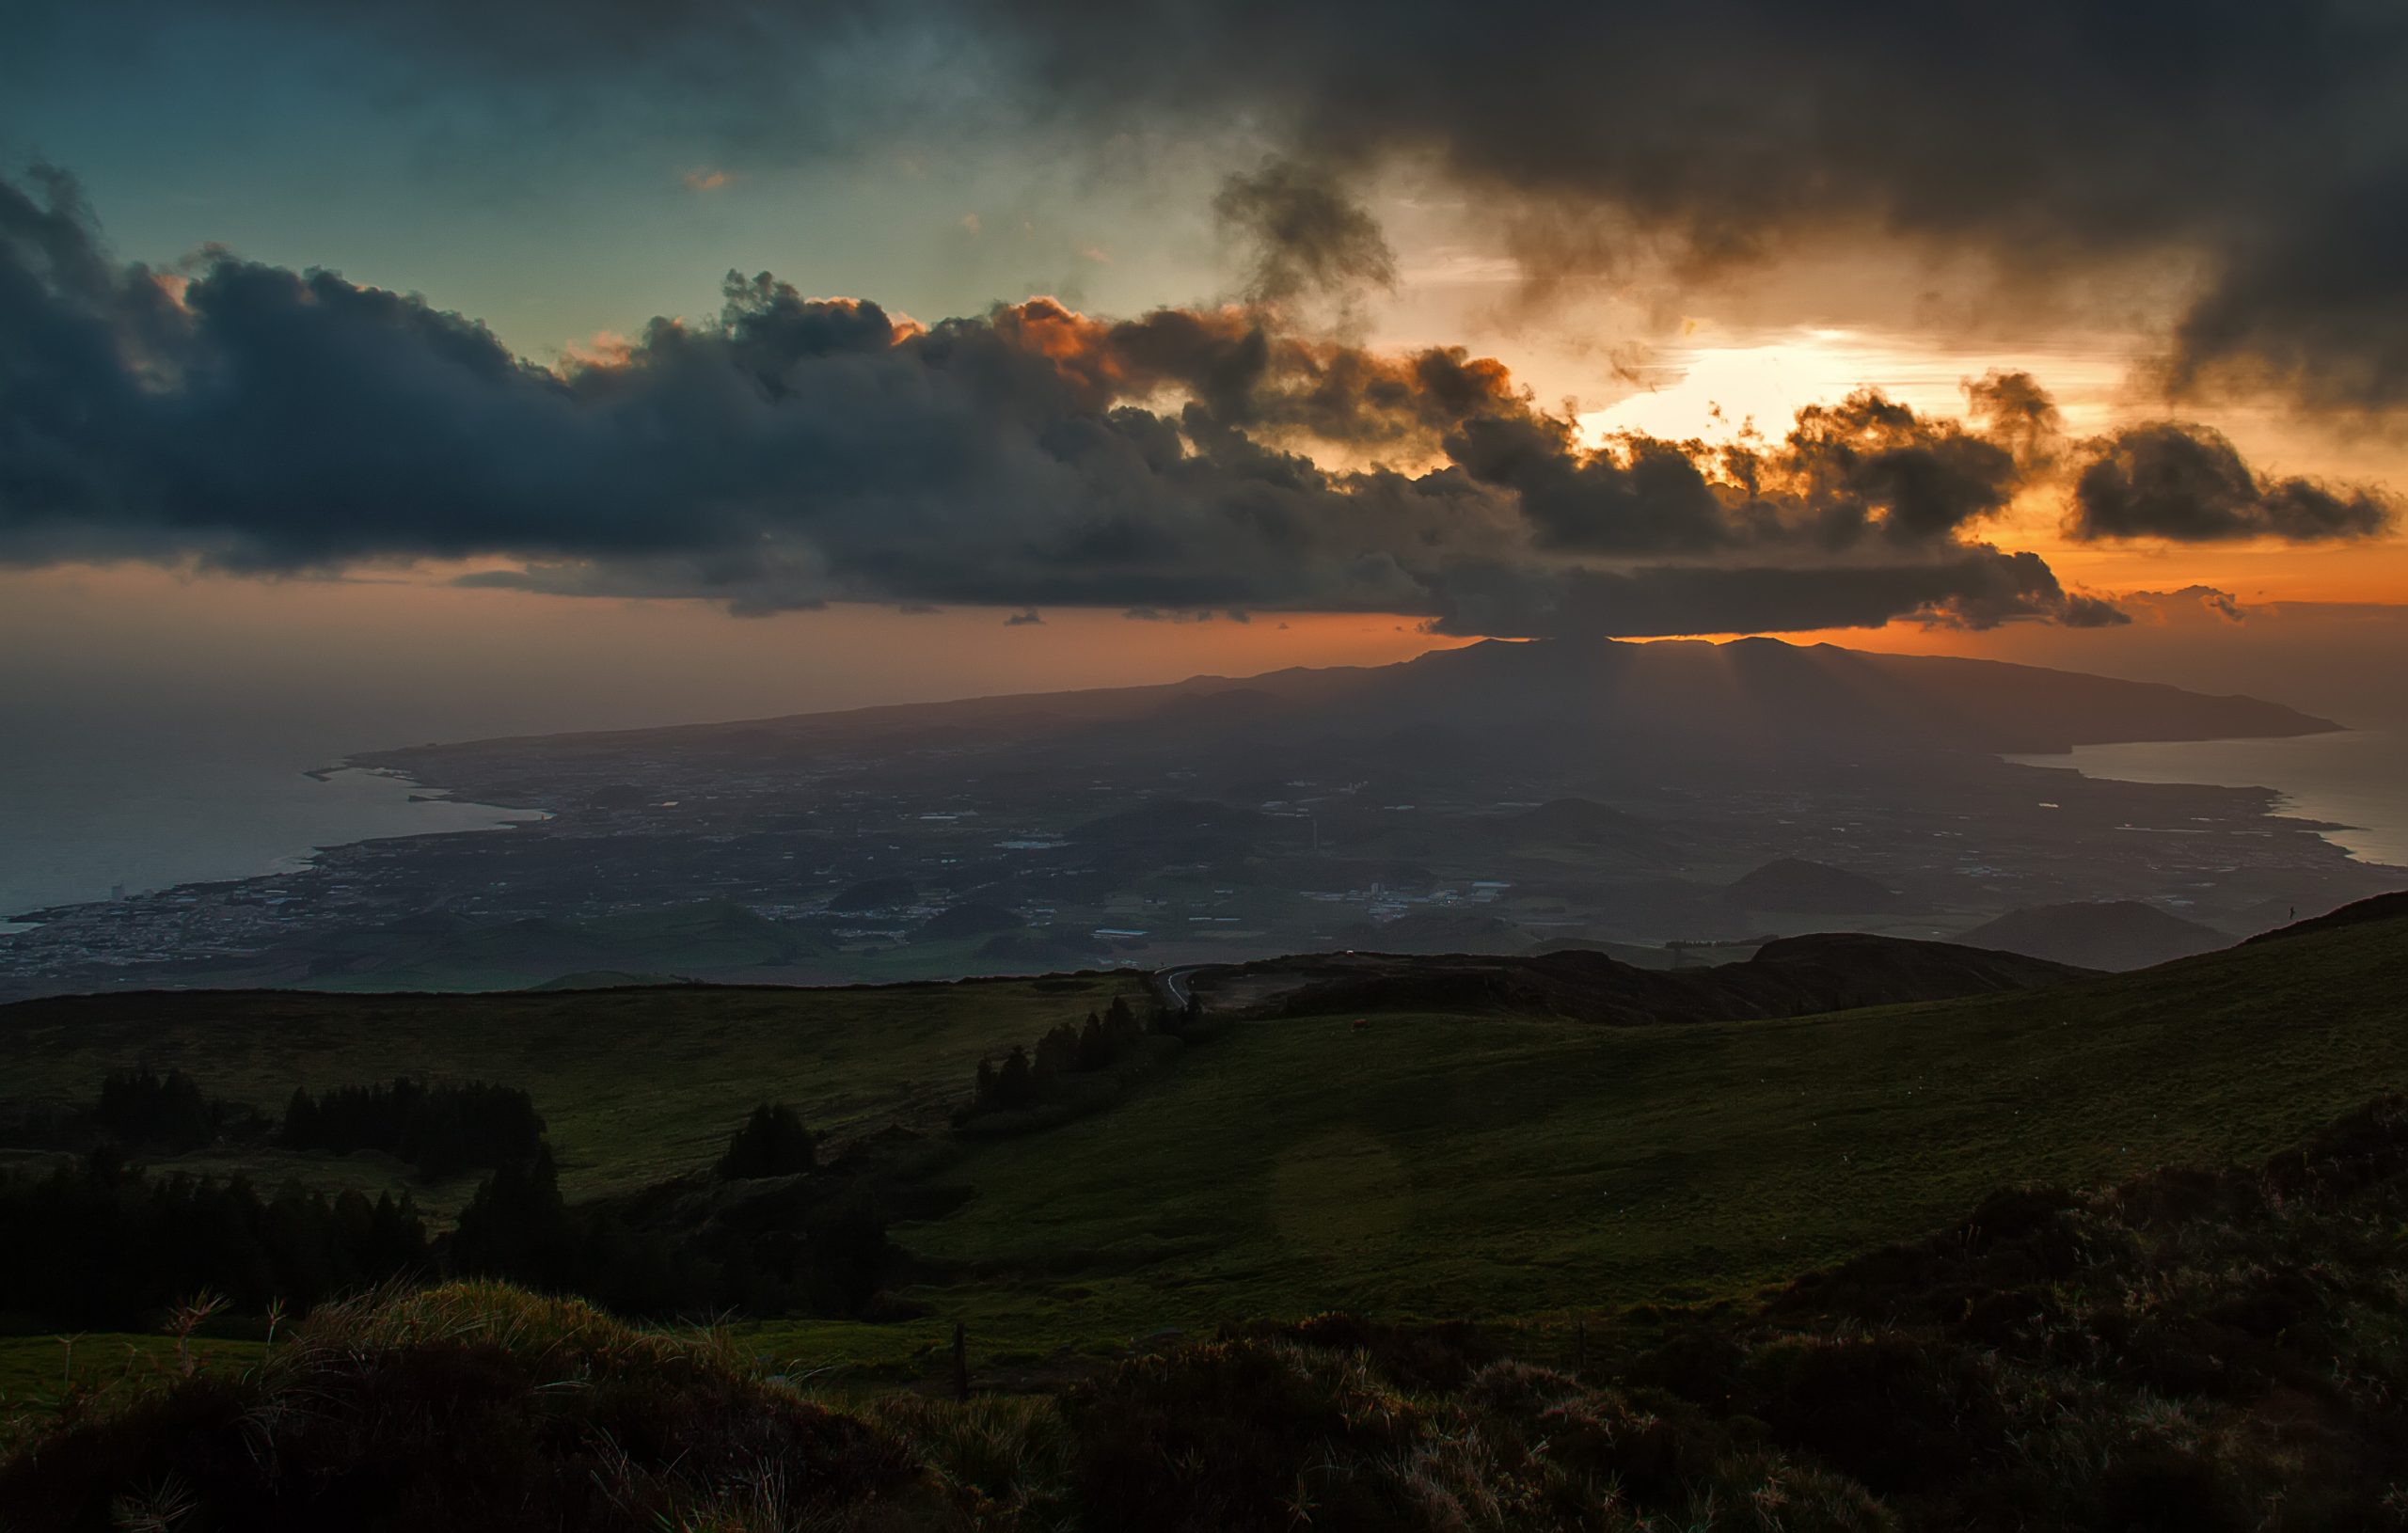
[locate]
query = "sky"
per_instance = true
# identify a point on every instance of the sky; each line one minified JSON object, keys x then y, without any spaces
{"x":526,"y":366}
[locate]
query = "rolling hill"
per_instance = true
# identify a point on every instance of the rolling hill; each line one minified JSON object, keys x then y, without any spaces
{"x":2099,"y":934}
{"x":1439,"y":1163}
{"x":1760,"y":703}
{"x":1451,"y":1156}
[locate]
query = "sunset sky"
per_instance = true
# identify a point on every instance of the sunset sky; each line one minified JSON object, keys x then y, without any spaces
{"x":396,"y":354}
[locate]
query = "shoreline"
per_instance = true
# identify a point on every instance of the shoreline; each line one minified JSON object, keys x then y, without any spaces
{"x":285,"y":864}
{"x":2310,"y":799}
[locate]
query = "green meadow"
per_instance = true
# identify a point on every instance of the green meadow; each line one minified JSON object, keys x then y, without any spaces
{"x":635,"y":1086}
{"x":1426,"y":1165}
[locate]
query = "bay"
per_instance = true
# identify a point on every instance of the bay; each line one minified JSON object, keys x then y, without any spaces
{"x":2357,"y":779}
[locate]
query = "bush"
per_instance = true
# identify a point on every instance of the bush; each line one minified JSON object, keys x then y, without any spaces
{"x":1237,"y":1436}
{"x":1898,"y":1413}
{"x":470,"y":1409}
{"x":772,"y":1143}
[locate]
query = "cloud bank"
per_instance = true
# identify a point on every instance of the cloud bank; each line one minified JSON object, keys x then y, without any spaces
{"x":799,"y":450}
{"x":2254,"y":155}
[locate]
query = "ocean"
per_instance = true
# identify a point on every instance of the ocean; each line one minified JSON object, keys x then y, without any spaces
{"x":2354,"y":779}
{"x":85,"y":810}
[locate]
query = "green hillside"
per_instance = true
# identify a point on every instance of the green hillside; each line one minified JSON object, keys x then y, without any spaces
{"x":635,"y":1084}
{"x":1422,"y":1165}
{"x":1448,"y":1166}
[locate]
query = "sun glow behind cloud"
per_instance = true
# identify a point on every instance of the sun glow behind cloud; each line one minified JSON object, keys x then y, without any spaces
{"x":1712,"y":386}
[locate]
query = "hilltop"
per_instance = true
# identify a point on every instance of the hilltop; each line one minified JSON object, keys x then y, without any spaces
{"x":1755,"y":696}
{"x":2098,"y":934}
{"x":1792,"y":884}
{"x":1794,"y":976}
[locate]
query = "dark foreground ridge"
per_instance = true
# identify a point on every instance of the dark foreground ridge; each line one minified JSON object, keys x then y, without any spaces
{"x":2362,"y":913}
{"x":1794,"y":976}
{"x":2193,"y":1350}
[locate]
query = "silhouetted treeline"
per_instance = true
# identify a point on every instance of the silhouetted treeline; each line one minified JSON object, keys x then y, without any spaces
{"x":1029,"y":1078}
{"x":828,"y":1254}
{"x":98,"y":1245}
{"x":140,"y":1109}
{"x":442,"y":1129}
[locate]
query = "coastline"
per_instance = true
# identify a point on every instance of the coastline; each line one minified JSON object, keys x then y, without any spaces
{"x":275,"y":833}
{"x":2348,"y":785}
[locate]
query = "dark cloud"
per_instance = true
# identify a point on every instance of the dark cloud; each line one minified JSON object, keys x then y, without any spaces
{"x":796,"y":451}
{"x":1977,"y":586}
{"x":1865,"y":469}
{"x":2187,"y":484}
{"x":2257,"y":148}
{"x":1304,"y":234}
{"x":2261,"y":147}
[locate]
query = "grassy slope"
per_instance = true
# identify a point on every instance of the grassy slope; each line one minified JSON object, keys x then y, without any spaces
{"x":1444,"y":1165}
{"x":1428,"y":1164}
{"x":636,"y":1085}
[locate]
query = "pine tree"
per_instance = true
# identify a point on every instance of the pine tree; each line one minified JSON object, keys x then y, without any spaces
{"x":1095,"y":1046}
{"x":1057,"y":1053}
{"x":1016,"y":1082}
{"x":772,"y":1143}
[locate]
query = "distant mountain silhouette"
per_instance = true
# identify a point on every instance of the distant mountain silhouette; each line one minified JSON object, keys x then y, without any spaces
{"x":1758,"y":702}
{"x":1794,"y":976}
{"x":1792,"y":886}
{"x":2108,"y":934}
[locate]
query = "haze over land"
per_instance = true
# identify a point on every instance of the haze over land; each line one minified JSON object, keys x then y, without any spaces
{"x":1492,"y":799}
{"x":992,"y":766}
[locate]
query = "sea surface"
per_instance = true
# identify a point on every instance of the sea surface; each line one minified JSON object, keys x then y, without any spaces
{"x":85,"y":810}
{"x":2355,"y":779}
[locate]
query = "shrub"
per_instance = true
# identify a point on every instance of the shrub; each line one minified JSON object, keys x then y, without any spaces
{"x":1896,"y":1412}
{"x":772,"y":1143}
{"x":471,"y":1409}
{"x":1237,"y":1436}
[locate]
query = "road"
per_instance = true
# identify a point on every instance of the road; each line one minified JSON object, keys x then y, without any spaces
{"x":1171,"y":987}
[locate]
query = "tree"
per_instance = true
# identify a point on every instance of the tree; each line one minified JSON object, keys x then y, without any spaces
{"x":517,"y":1226}
{"x":847,"y":1254}
{"x":772,"y":1143}
{"x":1057,"y":1053}
{"x":1016,"y":1082}
{"x":1123,"y":1019}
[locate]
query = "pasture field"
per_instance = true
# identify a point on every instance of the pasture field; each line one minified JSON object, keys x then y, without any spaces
{"x":1425,"y":1165}
{"x":1440,"y":1166}
{"x":635,"y":1086}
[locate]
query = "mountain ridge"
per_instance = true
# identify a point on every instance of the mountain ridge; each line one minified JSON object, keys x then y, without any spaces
{"x":1479,"y":682}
